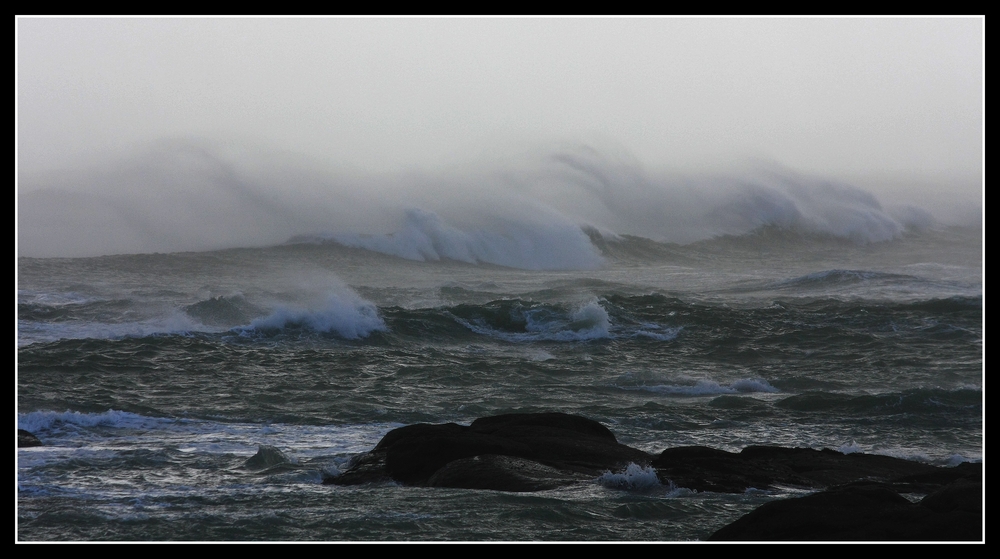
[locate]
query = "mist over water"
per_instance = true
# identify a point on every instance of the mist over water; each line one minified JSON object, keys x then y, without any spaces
{"x":185,"y":195}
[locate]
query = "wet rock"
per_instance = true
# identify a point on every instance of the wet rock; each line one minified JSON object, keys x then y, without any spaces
{"x":709,"y":469}
{"x":27,"y":439}
{"x":552,"y":448}
{"x":267,"y":457}
{"x":865,"y":512}
{"x":502,"y":473}
{"x":860,"y":497}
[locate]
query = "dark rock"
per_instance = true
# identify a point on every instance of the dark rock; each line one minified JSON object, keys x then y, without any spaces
{"x":533,"y":452}
{"x":363,"y":468}
{"x":553,"y":448}
{"x":708,"y":469}
{"x":865,"y":512}
{"x":821,"y":468}
{"x":267,"y":457}
{"x":939,"y":477}
{"x":27,"y":439}
{"x":961,"y":495}
{"x":502,"y":473}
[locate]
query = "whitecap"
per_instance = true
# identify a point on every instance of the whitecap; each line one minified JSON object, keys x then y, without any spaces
{"x":634,"y":478}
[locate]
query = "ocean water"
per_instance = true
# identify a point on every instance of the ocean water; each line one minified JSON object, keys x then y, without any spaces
{"x":153,"y":379}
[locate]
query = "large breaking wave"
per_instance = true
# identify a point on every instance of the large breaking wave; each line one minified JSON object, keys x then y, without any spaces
{"x":532,"y":214}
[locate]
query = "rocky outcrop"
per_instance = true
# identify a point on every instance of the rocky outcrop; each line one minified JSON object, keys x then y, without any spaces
{"x":858,"y":499}
{"x":514,"y":452}
{"x":709,"y":469}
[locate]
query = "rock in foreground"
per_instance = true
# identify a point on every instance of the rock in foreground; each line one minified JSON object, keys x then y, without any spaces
{"x":532,"y":452}
{"x":865,"y":512}
{"x":514,"y":452}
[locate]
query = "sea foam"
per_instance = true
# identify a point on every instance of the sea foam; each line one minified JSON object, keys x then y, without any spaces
{"x":634,"y":477}
{"x":344,"y":313}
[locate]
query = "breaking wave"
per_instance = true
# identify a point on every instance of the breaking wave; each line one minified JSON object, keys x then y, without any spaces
{"x":345,"y":314}
{"x":634,"y":477}
{"x":531,"y":246}
{"x":535,"y":213}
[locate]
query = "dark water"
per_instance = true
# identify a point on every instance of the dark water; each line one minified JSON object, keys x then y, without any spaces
{"x":153,"y":378}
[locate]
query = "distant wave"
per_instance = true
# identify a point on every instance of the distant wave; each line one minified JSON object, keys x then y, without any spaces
{"x":339,"y":311}
{"x":829,"y":278}
{"x":686,"y":208}
{"x":525,"y":245}
{"x":532,"y":214}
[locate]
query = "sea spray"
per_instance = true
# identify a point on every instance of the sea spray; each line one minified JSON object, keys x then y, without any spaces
{"x":633,"y":478}
{"x":345,"y":314}
{"x":528,"y":213}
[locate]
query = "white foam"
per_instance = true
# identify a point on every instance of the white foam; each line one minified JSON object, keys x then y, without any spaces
{"x":634,"y":477}
{"x":343,"y":312}
{"x":850,"y":448}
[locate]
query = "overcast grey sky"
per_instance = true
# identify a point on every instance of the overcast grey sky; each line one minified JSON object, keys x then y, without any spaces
{"x":838,"y":97}
{"x":826,"y":95}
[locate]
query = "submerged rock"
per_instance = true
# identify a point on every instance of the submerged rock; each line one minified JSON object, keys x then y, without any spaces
{"x":27,"y":439}
{"x":267,"y":457}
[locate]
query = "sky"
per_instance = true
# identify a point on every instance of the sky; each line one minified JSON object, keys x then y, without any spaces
{"x":893,"y":106}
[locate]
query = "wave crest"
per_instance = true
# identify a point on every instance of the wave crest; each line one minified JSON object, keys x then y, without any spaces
{"x":515,"y":322}
{"x":345,"y":313}
{"x":530,"y":245}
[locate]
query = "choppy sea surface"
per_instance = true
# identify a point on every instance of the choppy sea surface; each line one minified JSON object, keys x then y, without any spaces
{"x":152,"y":379}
